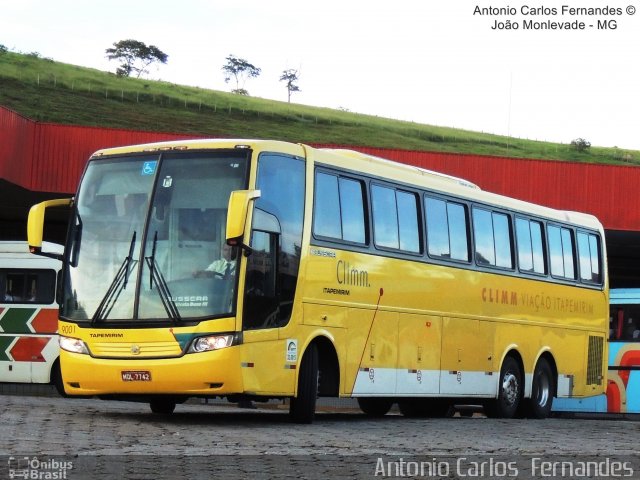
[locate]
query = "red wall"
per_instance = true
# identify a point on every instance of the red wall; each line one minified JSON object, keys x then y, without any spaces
{"x":16,"y":146}
{"x":62,"y":151}
{"x":51,"y":157}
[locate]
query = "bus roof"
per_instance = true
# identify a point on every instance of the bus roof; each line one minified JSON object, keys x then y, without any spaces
{"x":373,"y":166}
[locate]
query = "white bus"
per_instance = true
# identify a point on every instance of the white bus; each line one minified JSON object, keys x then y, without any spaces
{"x":29,"y":351}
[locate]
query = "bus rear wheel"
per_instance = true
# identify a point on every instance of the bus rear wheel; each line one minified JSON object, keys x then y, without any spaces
{"x":509,"y":391}
{"x":375,"y":407}
{"x":303,"y":407}
{"x":162,"y":407}
{"x":542,"y":391}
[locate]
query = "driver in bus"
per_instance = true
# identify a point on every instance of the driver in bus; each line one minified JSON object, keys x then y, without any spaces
{"x":224,"y":266}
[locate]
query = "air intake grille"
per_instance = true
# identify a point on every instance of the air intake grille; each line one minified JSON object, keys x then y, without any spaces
{"x":594,"y":363}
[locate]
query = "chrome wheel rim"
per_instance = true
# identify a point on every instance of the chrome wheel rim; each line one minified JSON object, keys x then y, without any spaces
{"x":510,"y":388}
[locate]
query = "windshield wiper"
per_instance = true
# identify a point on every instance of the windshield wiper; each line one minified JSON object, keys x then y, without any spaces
{"x":155,"y":275}
{"x":77,"y":238}
{"x":118,"y":284}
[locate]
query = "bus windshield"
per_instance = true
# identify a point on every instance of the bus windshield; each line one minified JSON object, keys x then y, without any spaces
{"x":148,"y":240}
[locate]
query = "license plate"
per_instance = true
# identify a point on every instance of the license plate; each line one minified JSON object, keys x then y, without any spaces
{"x":136,"y":376}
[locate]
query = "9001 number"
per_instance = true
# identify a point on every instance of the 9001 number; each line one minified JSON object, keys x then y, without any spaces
{"x":67,"y":329}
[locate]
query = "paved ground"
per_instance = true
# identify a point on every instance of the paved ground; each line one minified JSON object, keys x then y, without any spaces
{"x":108,"y":439}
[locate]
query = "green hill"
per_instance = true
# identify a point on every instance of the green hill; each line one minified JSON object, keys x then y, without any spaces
{"x":49,"y":91}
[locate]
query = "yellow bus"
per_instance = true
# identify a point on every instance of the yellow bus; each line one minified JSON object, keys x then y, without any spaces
{"x":258,"y":270}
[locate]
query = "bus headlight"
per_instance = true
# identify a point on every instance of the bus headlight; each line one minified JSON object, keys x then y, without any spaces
{"x":74,"y":345}
{"x":213,"y":342}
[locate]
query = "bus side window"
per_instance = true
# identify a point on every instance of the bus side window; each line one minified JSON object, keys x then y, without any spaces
{"x":28,"y":286}
{"x":589,"y":258}
{"x":14,"y":287}
{"x":631,"y":330}
{"x":624,"y":323}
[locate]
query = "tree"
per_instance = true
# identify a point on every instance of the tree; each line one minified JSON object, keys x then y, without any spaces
{"x":134,"y":57}
{"x":580,"y":144}
{"x":290,"y":76}
{"x":3,"y":49}
{"x":240,"y":70}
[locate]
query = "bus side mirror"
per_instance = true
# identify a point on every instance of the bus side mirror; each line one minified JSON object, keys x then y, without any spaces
{"x":35,"y":225}
{"x":237,"y":212}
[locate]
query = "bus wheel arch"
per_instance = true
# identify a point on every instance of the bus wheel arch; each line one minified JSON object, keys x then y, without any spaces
{"x":328,"y":366}
{"x":510,"y":388}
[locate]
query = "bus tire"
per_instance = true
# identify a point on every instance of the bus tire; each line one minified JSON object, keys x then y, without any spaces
{"x":542,"y":391}
{"x":303,"y":407}
{"x":375,"y":407}
{"x":510,"y":389}
{"x":56,"y":379}
{"x":162,"y":406}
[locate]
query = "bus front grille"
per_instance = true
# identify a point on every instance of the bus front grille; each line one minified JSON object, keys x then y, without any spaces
{"x":135,"y":350}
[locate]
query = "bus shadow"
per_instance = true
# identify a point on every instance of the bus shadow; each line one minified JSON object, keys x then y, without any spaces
{"x":229,"y":416}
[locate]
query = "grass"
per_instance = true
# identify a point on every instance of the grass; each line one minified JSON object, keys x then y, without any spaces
{"x":49,"y":91}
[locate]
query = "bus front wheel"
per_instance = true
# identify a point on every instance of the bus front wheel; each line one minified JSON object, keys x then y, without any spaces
{"x":509,"y":392}
{"x":162,"y":407}
{"x":303,"y":407}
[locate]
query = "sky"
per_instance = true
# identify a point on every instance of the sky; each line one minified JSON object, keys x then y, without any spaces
{"x":437,"y":62}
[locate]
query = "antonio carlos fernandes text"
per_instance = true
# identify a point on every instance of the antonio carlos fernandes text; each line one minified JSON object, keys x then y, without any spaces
{"x":492,"y":468}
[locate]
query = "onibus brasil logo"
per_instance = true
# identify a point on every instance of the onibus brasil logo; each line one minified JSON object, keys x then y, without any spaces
{"x":37,"y":469}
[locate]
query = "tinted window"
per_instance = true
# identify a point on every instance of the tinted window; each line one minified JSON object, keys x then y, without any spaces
{"x":395,"y":219}
{"x":493,"y":238}
{"x":408,"y":221}
{"x":27,"y":286}
{"x":483,"y":230}
{"x":458,"y":237}
{"x":530,"y":247}
{"x":525,"y":252}
{"x":437,"y":228}
{"x":326,"y":214}
{"x":385,"y":217}
{"x":502,"y":236}
{"x":446,"y":229}
{"x":539,"y":265}
{"x":567,"y":253}
{"x":561,"y":252}
{"x":589,"y":256}
{"x":624,"y":322}
{"x":352,"y":209}
{"x":339,"y":210}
